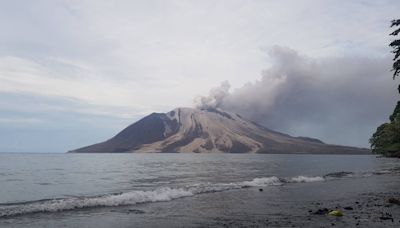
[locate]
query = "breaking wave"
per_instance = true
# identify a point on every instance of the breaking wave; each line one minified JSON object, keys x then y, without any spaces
{"x":301,"y":179}
{"x":137,"y":197}
{"x":263,"y":181}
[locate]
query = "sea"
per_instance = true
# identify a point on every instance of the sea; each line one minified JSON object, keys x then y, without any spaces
{"x":177,"y":190}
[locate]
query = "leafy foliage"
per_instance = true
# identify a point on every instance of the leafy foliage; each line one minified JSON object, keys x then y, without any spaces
{"x":386,"y":139}
{"x":395,"y":44}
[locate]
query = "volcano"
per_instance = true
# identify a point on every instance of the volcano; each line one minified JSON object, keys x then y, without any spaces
{"x":186,"y":130}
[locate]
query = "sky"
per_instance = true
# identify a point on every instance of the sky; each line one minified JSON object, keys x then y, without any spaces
{"x":73,"y":73}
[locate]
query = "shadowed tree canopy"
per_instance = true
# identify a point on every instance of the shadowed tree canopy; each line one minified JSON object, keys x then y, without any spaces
{"x":395,"y":44}
{"x":386,"y":139}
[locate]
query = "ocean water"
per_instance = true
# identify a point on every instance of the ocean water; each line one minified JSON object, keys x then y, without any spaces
{"x":125,"y":190}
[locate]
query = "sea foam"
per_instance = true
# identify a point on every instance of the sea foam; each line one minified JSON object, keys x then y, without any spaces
{"x":302,"y":179}
{"x":263,"y":181}
{"x":136,"y":197}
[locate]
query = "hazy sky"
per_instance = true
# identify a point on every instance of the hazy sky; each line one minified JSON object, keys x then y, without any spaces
{"x":76,"y":72}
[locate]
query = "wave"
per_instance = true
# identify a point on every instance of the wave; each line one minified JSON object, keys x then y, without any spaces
{"x":165,"y":193}
{"x":109,"y":200}
{"x":263,"y":181}
{"x":304,"y":179}
{"x":136,"y":197}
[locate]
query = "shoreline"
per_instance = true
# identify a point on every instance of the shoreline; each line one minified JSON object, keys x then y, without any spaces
{"x":248,"y":207}
{"x":360,"y":186}
{"x":372,"y":210}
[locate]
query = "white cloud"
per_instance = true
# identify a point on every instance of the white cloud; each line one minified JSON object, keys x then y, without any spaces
{"x":17,"y":121}
{"x":22,"y":75}
{"x":165,"y":46}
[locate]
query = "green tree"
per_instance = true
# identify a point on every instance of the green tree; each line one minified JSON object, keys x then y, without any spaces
{"x":386,"y":139}
{"x":395,"y":44}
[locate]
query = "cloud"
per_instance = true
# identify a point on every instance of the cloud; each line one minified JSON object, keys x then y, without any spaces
{"x":74,"y":82}
{"x":340,"y":100}
{"x":16,"y":121}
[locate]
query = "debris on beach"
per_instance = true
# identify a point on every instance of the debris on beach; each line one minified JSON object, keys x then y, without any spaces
{"x":326,"y":211}
{"x":386,"y":216}
{"x":337,"y":213}
{"x":394,"y":201}
{"x":322,"y":211}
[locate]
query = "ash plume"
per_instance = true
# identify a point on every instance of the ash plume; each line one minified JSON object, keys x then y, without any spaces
{"x":215,"y":97}
{"x":339,"y":100}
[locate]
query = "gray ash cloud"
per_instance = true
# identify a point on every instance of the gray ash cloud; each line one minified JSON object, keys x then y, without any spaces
{"x":215,"y":97}
{"x":339,"y":100}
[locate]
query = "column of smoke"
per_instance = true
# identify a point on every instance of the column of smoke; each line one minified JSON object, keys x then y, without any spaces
{"x":340,"y":100}
{"x":215,"y":97}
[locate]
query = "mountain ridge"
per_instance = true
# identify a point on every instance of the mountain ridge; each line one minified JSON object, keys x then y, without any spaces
{"x":209,"y":130}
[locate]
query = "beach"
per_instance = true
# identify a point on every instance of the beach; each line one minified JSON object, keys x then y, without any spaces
{"x":361,"y":191}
